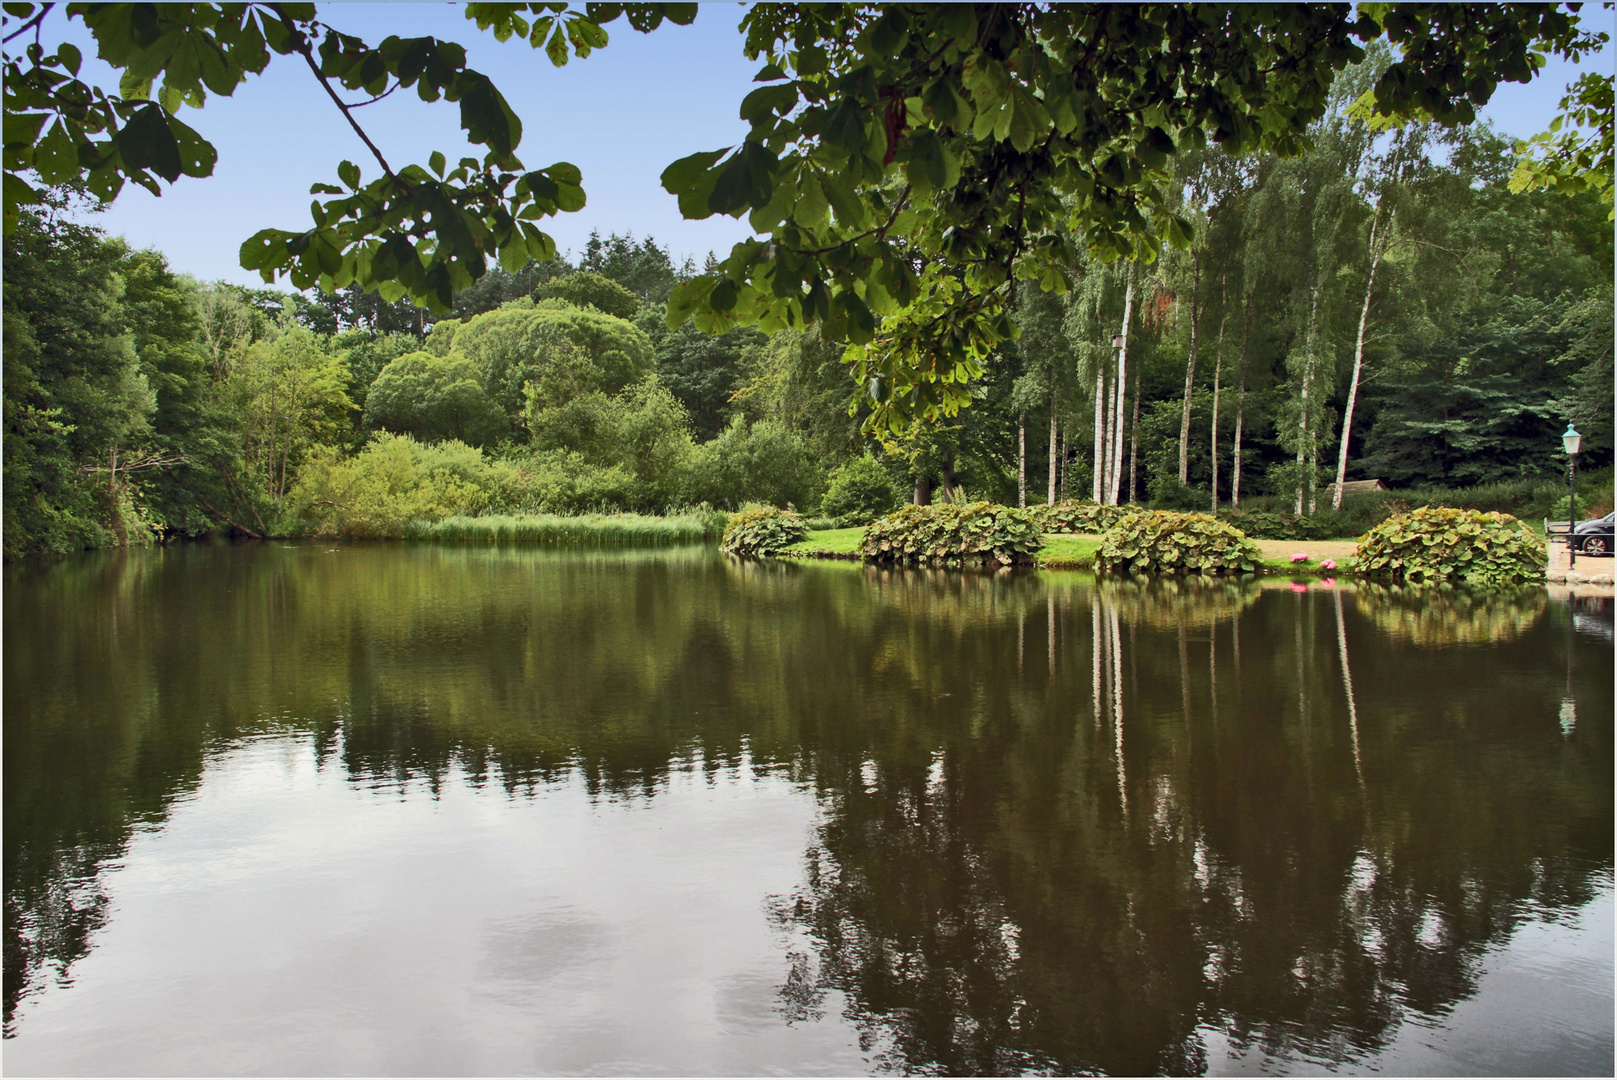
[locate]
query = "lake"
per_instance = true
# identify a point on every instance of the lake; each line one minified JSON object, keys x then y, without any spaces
{"x":413,"y":809}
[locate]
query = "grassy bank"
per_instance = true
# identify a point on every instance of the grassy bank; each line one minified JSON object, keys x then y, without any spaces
{"x":580,"y":529}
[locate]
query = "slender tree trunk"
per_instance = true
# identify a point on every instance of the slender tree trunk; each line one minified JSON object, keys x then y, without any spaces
{"x":1122,"y":383}
{"x":1190,"y":372}
{"x":923,"y":491}
{"x":1358,"y":362}
{"x":1021,"y":461}
{"x":1051,"y":497}
{"x":1240,"y":405}
{"x":1064,"y":465}
{"x":1134,"y":443}
{"x":1303,"y":455}
{"x":1098,"y":470}
{"x":1218,"y":371}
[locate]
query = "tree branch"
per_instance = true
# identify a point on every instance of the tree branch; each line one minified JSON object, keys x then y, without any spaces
{"x":307,"y":51}
{"x":31,"y":24}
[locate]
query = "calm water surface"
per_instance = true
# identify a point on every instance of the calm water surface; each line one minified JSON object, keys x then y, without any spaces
{"x":393,"y":809}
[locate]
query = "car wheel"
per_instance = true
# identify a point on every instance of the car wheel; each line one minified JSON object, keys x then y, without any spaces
{"x":1596,"y":545}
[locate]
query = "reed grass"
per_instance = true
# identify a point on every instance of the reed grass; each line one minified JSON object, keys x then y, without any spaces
{"x":631,"y":529}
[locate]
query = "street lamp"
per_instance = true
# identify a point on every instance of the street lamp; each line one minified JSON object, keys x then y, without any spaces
{"x":1570,"y":440}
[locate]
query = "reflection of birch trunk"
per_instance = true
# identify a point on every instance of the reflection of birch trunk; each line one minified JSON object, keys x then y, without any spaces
{"x":1117,"y":709}
{"x":1094,"y":648}
{"x":1347,"y":684}
{"x":1184,"y":675}
{"x":1050,"y":603}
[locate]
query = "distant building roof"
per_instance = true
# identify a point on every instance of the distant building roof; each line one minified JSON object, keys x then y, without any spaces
{"x":1359,"y":487}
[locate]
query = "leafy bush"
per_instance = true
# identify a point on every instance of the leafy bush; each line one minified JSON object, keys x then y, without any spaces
{"x":1078,"y":516}
{"x":585,"y":289}
{"x":1176,"y":543}
{"x":861,"y":491}
{"x":761,"y":462}
{"x":1270,"y":525}
{"x":392,"y":482}
{"x":1439,"y":544}
{"x":1167,"y":493}
{"x":953,"y":535}
{"x":763,"y":530}
{"x":434,"y":398}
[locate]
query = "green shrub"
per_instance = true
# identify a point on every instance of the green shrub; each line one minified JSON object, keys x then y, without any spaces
{"x":953,"y":535}
{"x":1078,"y":516}
{"x":763,"y":530}
{"x":1440,"y":544}
{"x":1168,"y":541}
{"x":390,"y":483}
{"x":761,"y":462}
{"x":434,"y":398}
{"x":860,"y":492}
{"x":1272,"y":525}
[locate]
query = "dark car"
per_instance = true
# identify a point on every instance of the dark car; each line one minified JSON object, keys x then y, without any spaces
{"x":1594,"y":537}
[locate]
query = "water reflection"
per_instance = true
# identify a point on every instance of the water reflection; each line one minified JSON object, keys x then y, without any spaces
{"x":1062,"y":825}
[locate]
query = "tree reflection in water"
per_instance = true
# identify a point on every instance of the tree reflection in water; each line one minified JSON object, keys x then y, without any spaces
{"x":1297,"y":818}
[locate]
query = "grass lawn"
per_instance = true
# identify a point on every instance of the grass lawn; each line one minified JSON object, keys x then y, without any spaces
{"x":1078,"y":552}
{"x":835,"y":543}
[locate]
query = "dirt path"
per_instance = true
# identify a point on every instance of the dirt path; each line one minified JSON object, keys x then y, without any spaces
{"x":1315,"y":549}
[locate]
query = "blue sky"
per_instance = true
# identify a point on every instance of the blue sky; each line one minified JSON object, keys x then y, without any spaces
{"x":622,"y":116}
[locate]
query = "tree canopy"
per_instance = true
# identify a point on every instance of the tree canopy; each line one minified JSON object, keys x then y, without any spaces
{"x":907,"y":164}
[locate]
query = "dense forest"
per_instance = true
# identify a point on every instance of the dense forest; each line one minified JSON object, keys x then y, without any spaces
{"x":1379,"y":306}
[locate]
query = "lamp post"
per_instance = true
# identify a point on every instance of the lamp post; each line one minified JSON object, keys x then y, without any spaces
{"x":1570,"y":440}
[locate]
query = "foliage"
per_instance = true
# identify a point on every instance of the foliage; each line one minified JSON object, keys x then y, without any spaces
{"x":1439,"y":544}
{"x":587,"y":289}
{"x":1077,"y":516}
{"x":559,"y":349}
{"x":629,"y":529}
{"x":703,"y":370}
{"x":1166,"y":541}
{"x":393,"y":481}
{"x":761,"y":462}
{"x":641,"y":432}
{"x":643,"y":268}
{"x":1270,"y":525}
{"x":434,"y":398}
{"x":1566,"y":158}
{"x":954,"y":535}
{"x":860,"y":491}
{"x":75,"y":394}
{"x":365,"y":354}
{"x":291,"y":396}
{"x":428,"y":232}
{"x":763,"y":530}
{"x":905,"y":162}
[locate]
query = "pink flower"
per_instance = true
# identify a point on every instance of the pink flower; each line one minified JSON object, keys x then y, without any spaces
{"x":1328,"y":564}
{"x":1301,"y":556}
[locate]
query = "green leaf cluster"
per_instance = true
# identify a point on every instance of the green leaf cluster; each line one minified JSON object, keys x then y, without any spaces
{"x":763,"y":530}
{"x":954,"y":535}
{"x":1171,"y":542}
{"x":1272,"y":525}
{"x":1077,"y":516}
{"x":1442,"y":544}
{"x":860,"y":492}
